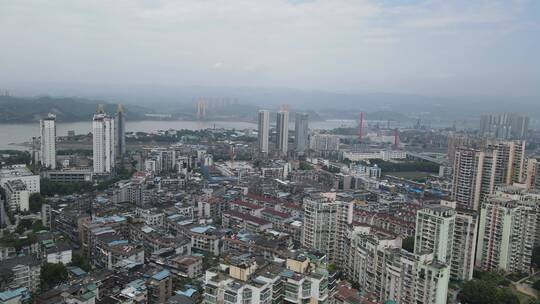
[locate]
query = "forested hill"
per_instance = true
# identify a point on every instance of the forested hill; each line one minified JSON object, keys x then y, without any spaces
{"x":67,"y":109}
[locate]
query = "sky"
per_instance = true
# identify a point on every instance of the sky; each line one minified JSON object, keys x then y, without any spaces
{"x":433,"y":47}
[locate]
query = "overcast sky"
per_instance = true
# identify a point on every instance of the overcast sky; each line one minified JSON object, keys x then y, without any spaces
{"x":446,"y":47}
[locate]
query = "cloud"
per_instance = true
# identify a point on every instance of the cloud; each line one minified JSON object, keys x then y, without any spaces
{"x":330,"y":44}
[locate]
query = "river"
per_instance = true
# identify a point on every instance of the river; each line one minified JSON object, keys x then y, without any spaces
{"x":18,"y":133}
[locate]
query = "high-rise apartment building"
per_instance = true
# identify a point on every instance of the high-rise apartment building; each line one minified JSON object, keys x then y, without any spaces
{"x":477,"y":172}
{"x":282,"y":129}
{"x":510,"y":160}
{"x":507,"y":233}
{"x":450,"y":235}
{"x":324,"y":142}
{"x":325,"y":225}
{"x":456,"y":141}
{"x":376,"y":262}
{"x":435,"y":231}
{"x":103,"y":142}
{"x":120,"y":129}
{"x":301,"y":132}
{"x":264,"y":129}
{"x":504,"y":125}
{"x":473,"y":177}
{"x":48,"y":141}
{"x":532,"y":179}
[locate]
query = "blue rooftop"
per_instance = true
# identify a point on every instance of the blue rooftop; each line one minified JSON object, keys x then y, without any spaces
{"x":108,"y":219}
{"x":174,"y":216}
{"x":188,"y":292}
{"x":287,"y":273}
{"x":11,"y":294}
{"x":201,"y":229}
{"x":136,"y":284}
{"x":118,"y":242}
{"x":76,"y":271}
{"x":161,"y":275}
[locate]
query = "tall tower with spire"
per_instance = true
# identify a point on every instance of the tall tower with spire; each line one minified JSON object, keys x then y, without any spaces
{"x":120,"y":129}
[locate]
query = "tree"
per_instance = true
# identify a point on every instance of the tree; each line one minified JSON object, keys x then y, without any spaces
{"x":305,"y":166}
{"x":24,"y":224}
{"x":536,"y":285}
{"x":485,"y":292}
{"x":536,"y":256}
{"x":52,"y":275}
{"x":38,"y":226}
{"x":80,"y":261}
{"x":408,"y":243}
{"x":36,"y":200}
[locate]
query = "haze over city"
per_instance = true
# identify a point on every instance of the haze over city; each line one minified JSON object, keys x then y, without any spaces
{"x":269,"y":152}
{"x":434,"y":48}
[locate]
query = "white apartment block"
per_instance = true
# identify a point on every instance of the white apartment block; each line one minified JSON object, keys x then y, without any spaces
{"x":231,"y":286}
{"x":17,"y":196}
{"x":385,"y":155}
{"x":435,"y":231}
{"x":263,"y":130}
{"x":298,"y":281}
{"x":103,"y":143}
{"x":511,"y":158}
{"x":325,"y":225}
{"x":48,"y":141}
{"x":377,"y":263}
{"x":450,"y":234}
{"x":324,"y":142}
{"x":59,"y":254}
{"x":474,"y":177}
{"x":282,"y":129}
{"x":301,"y":132}
{"x":476,"y":173}
{"x":532,"y":180}
{"x":507,"y":234}
{"x":20,"y":172}
{"x":25,"y":271}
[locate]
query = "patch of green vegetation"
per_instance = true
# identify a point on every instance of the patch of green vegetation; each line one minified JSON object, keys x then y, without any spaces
{"x":411,"y":175}
{"x":14,"y":157}
{"x":18,"y":242}
{"x":305,"y":166}
{"x":52,"y":275}
{"x":408,"y":243}
{"x":406,"y":166}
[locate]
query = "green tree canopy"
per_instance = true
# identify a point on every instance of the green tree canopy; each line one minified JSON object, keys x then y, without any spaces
{"x":485,"y":292}
{"x":408,"y":244}
{"x":36,"y":200}
{"x":536,"y":285}
{"x":52,"y":275}
{"x":536,"y":256}
{"x":80,"y":261}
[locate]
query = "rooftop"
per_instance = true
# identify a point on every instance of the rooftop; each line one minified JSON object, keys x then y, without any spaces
{"x":161,"y":275}
{"x":15,"y":171}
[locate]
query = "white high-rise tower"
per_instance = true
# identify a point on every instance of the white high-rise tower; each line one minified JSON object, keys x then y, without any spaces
{"x":301,"y":132}
{"x":48,"y":141}
{"x":264,"y":125}
{"x":282,"y":126}
{"x":103,"y":138}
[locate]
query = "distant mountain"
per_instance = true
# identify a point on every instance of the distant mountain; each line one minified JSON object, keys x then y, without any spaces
{"x":67,"y":109}
{"x":244,"y":101}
